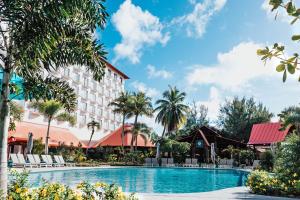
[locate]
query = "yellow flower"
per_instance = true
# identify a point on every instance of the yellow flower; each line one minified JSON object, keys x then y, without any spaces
{"x":18,"y":190}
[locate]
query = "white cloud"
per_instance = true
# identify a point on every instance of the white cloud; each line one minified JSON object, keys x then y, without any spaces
{"x":138,"y":28}
{"x":141,"y":87}
{"x":154,"y":73}
{"x":196,"y":21}
{"x":234,"y":69}
{"x":213,"y":103}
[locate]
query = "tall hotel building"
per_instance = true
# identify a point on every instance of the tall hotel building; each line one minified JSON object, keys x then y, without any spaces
{"x":93,"y":99}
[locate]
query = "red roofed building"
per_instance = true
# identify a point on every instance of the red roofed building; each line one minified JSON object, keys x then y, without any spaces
{"x":265,"y":134}
{"x":114,"y":139}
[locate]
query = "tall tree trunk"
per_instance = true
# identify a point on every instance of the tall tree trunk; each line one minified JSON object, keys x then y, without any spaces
{"x":158,"y":143}
{"x":132,"y":136}
{"x":123,"y":132}
{"x":4,"y":125}
{"x":87,"y":149}
{"x":47,"y":137}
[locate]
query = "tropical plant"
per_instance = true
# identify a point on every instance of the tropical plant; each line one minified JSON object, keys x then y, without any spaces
{"x":140,"y":106}
{"x":94,"y":126}
{"x":45,"y":35}
{"x":121,"y":105}
{"x":142,"y":130}
{"x":38,"y":147}
{"x":267,"y":161}
{"x":53,"y":110}
{"x":171,"y":112}
{"x":246,"y":157}
{"x":290,"y":117}
{"x":288,"y":64}
{"x":237,"y":116}
{"x":16,"y":114}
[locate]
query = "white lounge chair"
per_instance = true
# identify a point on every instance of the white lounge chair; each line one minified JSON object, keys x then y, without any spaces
{"x":255,"y":164}
{"x":57,"y":161}
{"x":195,"y":162}
{"x":39,"y":162}
{"x":50,"y":161}
{"x":188,"y":162}
{"x":23,"y":161}
{"x":164,"y":162}
{"x":148,"y":162}
{"x":154,"y":162}
{"x":62,"y":161}
{"x":170,"y":162}
{"x":225,"y":163}
{"x":32,"y":160}
{"x":15,"y":161}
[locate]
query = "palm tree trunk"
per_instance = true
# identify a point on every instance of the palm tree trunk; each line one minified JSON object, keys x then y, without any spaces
{"x":132,"y":137}
{"x":4,"y":124}
{"x":47,"y":137}
{"x":158,"y":144}
{"x":87,"y":149}
{"x":123,"y":132}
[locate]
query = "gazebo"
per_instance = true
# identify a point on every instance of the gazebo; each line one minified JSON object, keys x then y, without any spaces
{"x":203,"y":139}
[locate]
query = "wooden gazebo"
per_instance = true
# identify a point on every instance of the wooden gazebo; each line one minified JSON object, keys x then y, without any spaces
{"x":202,"y":139}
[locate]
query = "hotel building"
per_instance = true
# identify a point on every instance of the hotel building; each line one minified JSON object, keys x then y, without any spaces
{"x":93,"y":98}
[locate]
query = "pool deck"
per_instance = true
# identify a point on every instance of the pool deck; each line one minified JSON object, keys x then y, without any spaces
{"x":224,"y":194}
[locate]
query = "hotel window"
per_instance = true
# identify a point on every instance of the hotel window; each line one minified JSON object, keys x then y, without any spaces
{"x":94,"y":85}
{"x":121,"y":80}
{"x":86,"y":82}
{"x":93,"y":97}
{"x":67,"y":72}
{"x":84,"y":106}
{"x":93,"y":110}
{"x":86,"y":94}
{"x":115,"y":76}
{"x":77,"y":78}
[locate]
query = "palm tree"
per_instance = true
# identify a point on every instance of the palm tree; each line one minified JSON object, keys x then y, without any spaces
{"x":290,"y":117}
{"x":140,"y":105}
{"x":171,"y":112}
{"x":16,"y":114}
{"x":121,"y":105}
{"x":94,"y":126}
{"x":142,"y":130}
{"x":45,"y":35}
{"x":53,"y":110}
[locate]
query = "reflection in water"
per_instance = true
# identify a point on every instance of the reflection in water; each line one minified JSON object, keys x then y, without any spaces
{"x":149,"y":180}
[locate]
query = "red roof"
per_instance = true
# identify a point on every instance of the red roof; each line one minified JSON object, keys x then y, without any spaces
{"x":115,"y":139}
{"x":267,"y":133}
{"x":57,"y":135}
{"x":116,"y":70}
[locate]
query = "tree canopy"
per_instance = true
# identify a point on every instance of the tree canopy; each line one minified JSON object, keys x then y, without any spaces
{"x":237,"y":116}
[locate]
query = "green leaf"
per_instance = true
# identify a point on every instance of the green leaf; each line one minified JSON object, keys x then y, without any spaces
{"x":294,"y":20}
{"x":291,"y":68}
{"x":284,"y":76}
{"x":295,"y":37}
{"x":280,"y":68}
{"x":262,"y":52}
{"x":290,"y":8}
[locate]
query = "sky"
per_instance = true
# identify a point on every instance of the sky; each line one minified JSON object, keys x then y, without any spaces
{"x":206,"y":48}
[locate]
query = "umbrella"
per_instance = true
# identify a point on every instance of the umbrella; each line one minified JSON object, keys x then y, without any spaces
{"x":213,"y":153}
{"x":29,"y":143}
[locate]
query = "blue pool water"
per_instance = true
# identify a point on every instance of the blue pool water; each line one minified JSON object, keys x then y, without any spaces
{"x":149,"y":180}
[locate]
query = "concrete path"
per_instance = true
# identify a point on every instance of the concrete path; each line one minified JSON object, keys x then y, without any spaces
{"x":225,"y":194}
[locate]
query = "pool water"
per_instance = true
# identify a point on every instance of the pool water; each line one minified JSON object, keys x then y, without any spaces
{"x":149,"y":180}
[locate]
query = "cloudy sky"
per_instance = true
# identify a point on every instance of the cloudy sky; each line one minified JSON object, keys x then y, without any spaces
{"x":207,"y":48}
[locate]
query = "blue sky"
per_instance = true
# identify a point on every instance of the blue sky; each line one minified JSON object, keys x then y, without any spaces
{"x":207,"y":48}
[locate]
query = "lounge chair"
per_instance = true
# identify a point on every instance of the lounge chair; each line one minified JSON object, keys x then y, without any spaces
{"x":33,"y":161}
{"x":195,"y":162}
{"x":226,"y":163}
{"x":188,"y":162}
{"x":57,"y":161}
{"x":23,"y":161}
{"x":154,"y":162}
{"x":62,"y":161}
{"x":39,"y":162}
{"x":15,"y":161}
{"x":50,"y":161}
{"x":255,"y":164}
{"x":164,"y":162}
{"x":171,"y":162}
{"x":148,"y":162}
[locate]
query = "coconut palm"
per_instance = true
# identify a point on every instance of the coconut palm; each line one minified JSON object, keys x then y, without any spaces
{"x":290,"y":117}
{"x":94,"y":126}
{"x":121,"y":105}
{"x":140,"y":106}
{"x":45,"y":35}
{"x":142,"y":130}
{"x":171,"y":112}
{"x":52,"y":110}
{"x":16,"y":114}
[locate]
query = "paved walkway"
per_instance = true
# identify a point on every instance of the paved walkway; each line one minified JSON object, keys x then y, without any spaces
{"x":225,"y":194}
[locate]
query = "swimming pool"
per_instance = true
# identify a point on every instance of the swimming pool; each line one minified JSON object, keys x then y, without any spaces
{"x":149,"y":180}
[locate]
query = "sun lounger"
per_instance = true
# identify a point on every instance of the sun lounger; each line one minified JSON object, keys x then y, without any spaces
{"x":148,"y":162}
{"x":57,"y":161}
{"x":33,"y":161}
{"x":15,"y":161}
{"x":255,"y":164}
{"x":39,"y":162}
{"x":225,"y":163}
{"x":62,"y":161}
{"x":170,"y":162}
{"x":23,"y":161}
{"x":188,"y":162}
{"x":195,"y":162}
{"x":154,"y":162}
{"x":164,"y":162}
{"x":50,"y":161}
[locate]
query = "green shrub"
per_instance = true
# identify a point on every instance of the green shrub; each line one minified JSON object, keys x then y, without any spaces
{"x":267,"y":161}
{"x":136,"y":157}
{"x":112,"y":158}
{"x":246,"y":157}
{"x":38,"y":147}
